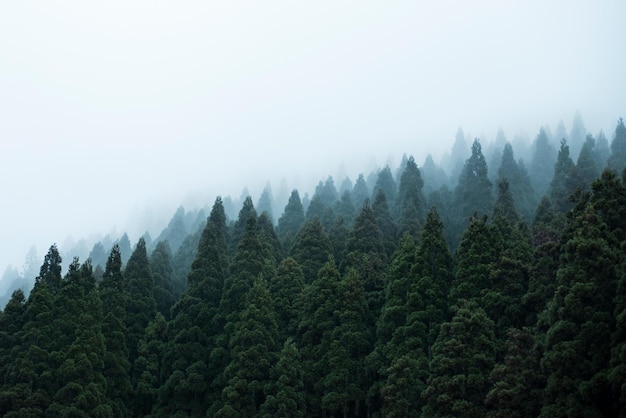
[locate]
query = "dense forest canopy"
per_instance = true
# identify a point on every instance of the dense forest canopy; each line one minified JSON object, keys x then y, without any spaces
{"x":489,"y":285}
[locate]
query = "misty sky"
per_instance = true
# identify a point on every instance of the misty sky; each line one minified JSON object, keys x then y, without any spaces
{"x":106,"y":107}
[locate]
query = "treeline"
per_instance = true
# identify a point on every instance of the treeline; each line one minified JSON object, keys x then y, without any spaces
{"x":470,"y":301}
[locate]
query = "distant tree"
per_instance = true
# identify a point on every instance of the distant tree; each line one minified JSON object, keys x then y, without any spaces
{"x":345,"y":209}
{"x":542,"y":163}
{"x":617,"y":159}
{"x":176,"y":231}
{"x":458,"y":155}
{"x":601,"y":151}
{"x":521,"y":188}
{"x":473,"y":193}
{"x":565,"y":181}
{"x":291,"y":220}
{"x":410,"y":201}
{"x":125,"y":248}
{"x":577,"y":135}
{"x":385,"y":222}
{"x":266,"y":202}
{"x":360,"y":192}
{"x":586,"y":166}
{"x":386,"y":183}
{"x":434,"y":176}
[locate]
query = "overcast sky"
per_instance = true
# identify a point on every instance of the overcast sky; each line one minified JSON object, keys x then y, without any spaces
{"x":108,"y":106}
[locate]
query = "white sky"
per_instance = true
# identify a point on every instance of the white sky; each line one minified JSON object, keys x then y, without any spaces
{"x":107,"y":106}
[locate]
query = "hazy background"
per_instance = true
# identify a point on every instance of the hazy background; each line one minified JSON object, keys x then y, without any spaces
{"x":109,"y":107}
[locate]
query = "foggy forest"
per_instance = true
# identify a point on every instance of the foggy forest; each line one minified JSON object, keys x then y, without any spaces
{"x":488,"y":283}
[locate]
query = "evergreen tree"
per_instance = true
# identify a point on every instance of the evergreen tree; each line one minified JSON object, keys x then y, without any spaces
{"x":285,"y":393}
{"x":239,"y":228}
{"x":617,"y":159}
{"x":311,"y":249}
{"x":116,"y":364}
{"x":542,"y":163}
{"x":516,"y":386}
{"x":286,"y":289}
{"x":360,"y":192}
{"x":519,"y":182}
{"x":385,"y":222}
{"x":254,"y":351}
{"x":139,"y":288}
{"x":410,"y":203}
{"x":162,"y":272}
{"x":586,"y":164}
{"x":345,"y":209}
{"x":434,"y":176}
{"x":386,"y":183}
{"x":577,"y":347}
{"x":266,"y":202}
{"x":346,"y":382}
{"x":473,"y":192}
{"x":565,"y":181}
{"x":320,"y":316}
{"x":291,"y":220}
{"x":463,"y":355}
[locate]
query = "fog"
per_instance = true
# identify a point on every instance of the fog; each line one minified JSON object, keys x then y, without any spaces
{"x":114,"y":114}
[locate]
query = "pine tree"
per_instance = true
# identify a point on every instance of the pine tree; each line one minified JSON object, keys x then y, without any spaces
{"x":116,"y":364}
{"x":285,"y":393}
{"x":521,"y":188}
{"x":291,"y":220}
{"x":254,"y":349}
{"x":473,"y":194}
{"x":565,"y":181}
{"x":385,"y":222}
{"x":139,"y":288}
{"x":386,"y":183}
{"x":463,"y":356}
{"x":162,"y":272}
{"x":516,"y":386}
{"x":410,"y":200}
{"x":286,"y":289}
{"x":360,"y":192}
{"x":617,"y":159}
{"x":311,"y":249}
{"x":542,"y":163}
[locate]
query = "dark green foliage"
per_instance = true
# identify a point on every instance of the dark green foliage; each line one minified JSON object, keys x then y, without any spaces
{"x":565,"y":181}
{"x":271,"y":243}
{"x":476,"y":256}
{"x":116,"y":363}
{"x":410,"y":200}
{"x":311,"y":249}
{"x":463,"y":356}
{"x":577,"y":347}
{"x":239,"y":228}
{"x":50,"y":272}
{"x":285,"y":392}
{"x":286,"y":290}
{"x":473,"y":194}
{"x":385,"y":222}
{"x":516,"y":382}
{"x":320,"y":316}
{"x":162,"y":272}
{"x":139,"y":288}
{"x":254,"y":350}
{"x":291,"y":220}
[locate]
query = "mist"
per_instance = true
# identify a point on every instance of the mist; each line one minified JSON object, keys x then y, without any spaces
{"x":112,"y":116}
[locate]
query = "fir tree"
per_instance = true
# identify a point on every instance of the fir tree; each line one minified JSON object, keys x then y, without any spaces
{"x":291,"y":220}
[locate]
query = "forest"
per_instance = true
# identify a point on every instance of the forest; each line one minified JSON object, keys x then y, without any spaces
{"x":495,"y":288}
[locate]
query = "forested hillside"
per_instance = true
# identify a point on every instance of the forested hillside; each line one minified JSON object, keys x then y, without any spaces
{"x":494,"y":290}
